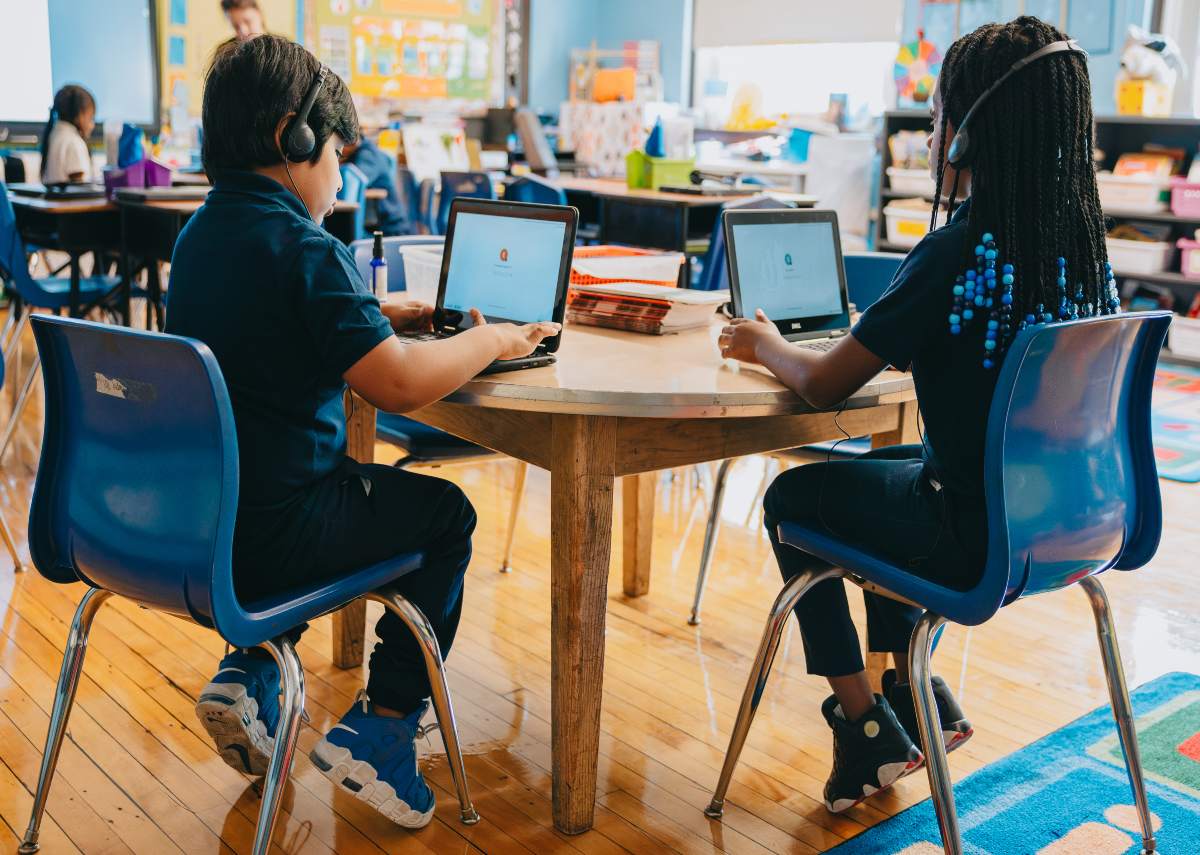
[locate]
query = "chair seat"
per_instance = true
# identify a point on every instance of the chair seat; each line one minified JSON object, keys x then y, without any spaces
{"x":963,"y":607}
{"x":274,"y":615}
{"x":424,"y":443}
{"x":56,"y":290}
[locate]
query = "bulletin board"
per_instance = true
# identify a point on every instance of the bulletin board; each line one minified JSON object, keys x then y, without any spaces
{"x":413,"y":50}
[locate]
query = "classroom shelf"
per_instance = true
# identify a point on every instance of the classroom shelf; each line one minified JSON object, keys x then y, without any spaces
{"x":1190,"y":361}
{"x":1164,"y":278}
{"x":1157,"y":217}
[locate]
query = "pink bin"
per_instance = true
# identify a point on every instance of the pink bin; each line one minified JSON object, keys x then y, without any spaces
{"x":1190,"y":266}
{"x":1185,"y":198}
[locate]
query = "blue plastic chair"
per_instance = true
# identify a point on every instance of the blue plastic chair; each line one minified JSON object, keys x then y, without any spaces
{"x":868,"y":275}
{"x":136,"y":495}
{"x":354,"y":189}
{"x":1069,"y":450}
{"x":532,"y":188}
{"x":714,"y":270}
{"x":424,"y":445}
{"x":409,"y":191}
{"x":470,"y":185}
{"x":52,"y":293}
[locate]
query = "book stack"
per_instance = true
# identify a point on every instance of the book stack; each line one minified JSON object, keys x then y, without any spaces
{"x":638,"y":307}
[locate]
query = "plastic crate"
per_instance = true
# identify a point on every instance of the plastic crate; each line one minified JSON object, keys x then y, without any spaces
{"x":422,"y":272}
{"x":906,"y":226}
{"x":1185,"y":337}
{"x":1142,"y":193}
{"x":603,"y":265}
{"x":643,"y":172}
{"x":1139,"y":256}
{"x":915,"y":181}
{"x":1189,"y":264}
{"x":1185,"y":198}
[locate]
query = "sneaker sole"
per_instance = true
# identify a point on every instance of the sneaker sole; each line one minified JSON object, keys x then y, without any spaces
{"x":231,"y":718}
{"x":887,"y":775}
{"x":359,"y":779}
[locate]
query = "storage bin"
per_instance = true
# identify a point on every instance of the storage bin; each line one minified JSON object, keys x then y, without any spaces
{"x":643,"y":172}
{"x":915,"y":181}
{"x":1185,"y":198}
{"x":422,"y":272}
{"x":602,"y":265}
{"x":1184,"y":338}
{"x":1140,"y":193}
{"x":1189,"y":264}
{"x":906,"y":226}
{"x":1139,"y":256}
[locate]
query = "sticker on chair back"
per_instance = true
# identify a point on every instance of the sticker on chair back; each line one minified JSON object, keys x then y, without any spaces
{"x":129,"y":390}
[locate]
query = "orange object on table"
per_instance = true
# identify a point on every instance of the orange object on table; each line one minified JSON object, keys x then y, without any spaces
{"x":582,"y":253}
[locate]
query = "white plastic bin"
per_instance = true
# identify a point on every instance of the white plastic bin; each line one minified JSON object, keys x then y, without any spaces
{"x":906,"y":226}
{"x":914,"y":181}
{"x":1140,"y":193}
{"x":422,"y":272}
{"x":1184,"y":339}
{"x":1139,"y":256}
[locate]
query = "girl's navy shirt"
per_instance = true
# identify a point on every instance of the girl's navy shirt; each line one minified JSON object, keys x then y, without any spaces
{"x":909,"y":326}
{"x":282,"y":306}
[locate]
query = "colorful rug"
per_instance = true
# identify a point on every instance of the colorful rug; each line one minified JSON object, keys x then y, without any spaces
{"x":1067,"y":794}
{"x":1176,"y":418}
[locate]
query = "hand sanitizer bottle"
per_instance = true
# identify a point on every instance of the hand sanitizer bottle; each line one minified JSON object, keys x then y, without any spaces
{"x":379,"y":274}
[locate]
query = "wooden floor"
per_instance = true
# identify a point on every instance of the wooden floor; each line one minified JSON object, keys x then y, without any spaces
{"x":138,"y":773}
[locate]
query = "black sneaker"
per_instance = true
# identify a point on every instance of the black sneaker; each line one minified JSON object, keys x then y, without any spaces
{"x":869,"y":755}
{"x":955,"y":728}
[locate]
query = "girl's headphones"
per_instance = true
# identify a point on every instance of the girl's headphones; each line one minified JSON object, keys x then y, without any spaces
{"x":299,"y":141}
{"x":959,"y":153}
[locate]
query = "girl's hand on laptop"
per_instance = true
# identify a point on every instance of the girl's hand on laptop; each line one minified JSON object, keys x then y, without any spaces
{"x":741,"y":338}
{"x":409,"y":315}
{"x":516,"y":340}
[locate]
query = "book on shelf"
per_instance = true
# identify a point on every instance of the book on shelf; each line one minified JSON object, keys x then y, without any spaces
{"x":638,"y":307}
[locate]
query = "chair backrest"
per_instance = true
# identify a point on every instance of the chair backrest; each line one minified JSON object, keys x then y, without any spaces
{"x":531,"y":188}
{"x":409,"y":191}
{"x":354,"y":189}
{"x":137,"y":487}
{"x":1071,"y":484}
{"x":471,"y":185}
{"x":393,"y":254}
{"x":714,"y":275}
{"x":14,"y":264}
{"x":868,"y":275}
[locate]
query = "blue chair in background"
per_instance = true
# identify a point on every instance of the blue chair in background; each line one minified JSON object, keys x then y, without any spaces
{"x":354,"y":189}
{"x":409,"y":191}
{"x":422,"y":444}
{"x":532,"y":188}
{"x":1071,"y":491}
{"x":470,"y":185}
{"x":136,"y":496}
{"x":52,"y":293}
{"x":868,"y":275}
{"x":714,"y":270}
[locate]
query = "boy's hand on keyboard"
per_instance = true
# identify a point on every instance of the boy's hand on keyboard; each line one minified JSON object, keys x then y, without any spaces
{"x":408,"y":315}
{"x":741,"y":338}
{"x":516,"y":340}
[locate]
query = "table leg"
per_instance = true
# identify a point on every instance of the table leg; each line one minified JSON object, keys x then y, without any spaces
{"x":906,"y":432}
{"x":581,"y":502}
{"x":350,"y":623}
{"x":638,"y":494}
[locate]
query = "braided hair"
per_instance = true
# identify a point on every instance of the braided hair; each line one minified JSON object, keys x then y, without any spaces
{"x":1033,"y":181}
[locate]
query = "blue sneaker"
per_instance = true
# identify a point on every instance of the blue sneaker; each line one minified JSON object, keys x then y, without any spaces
{"x":240,"y":710}
{"x":372,"y":757}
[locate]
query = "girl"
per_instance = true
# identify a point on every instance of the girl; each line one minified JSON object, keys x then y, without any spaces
{"x":1025,"y":246}
{"x":65,"y":155}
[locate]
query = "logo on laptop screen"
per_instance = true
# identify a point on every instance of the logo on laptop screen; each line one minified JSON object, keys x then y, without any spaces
{"x":787,"y":259}
{"x":504,"y":255}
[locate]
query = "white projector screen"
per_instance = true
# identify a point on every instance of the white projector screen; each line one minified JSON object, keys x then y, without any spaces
{"x":107,"y":47}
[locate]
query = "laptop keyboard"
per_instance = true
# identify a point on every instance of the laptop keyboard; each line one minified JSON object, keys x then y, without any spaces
{"x":822,"y":345}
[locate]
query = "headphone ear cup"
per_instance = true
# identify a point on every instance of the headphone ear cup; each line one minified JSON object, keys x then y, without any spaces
{"x":960,"y":148}
{"x":299,"y":142}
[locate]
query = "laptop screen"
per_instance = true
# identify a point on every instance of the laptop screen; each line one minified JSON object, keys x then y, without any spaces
{"x":790,"y":270}
{"x":507,"y":267}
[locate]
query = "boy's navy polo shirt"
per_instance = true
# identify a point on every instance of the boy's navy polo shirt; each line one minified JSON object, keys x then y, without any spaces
{"x":281,"y":304}
{"x":909,"y":326}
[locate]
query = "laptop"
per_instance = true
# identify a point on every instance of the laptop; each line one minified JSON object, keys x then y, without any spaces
{"x":788,"y":263}
{"x":182,"y":193}
{"x":510,"y":260}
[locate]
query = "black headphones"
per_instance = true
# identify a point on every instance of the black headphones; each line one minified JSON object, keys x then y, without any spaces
{"x":959,"y":153}
{"x":299,"y":141}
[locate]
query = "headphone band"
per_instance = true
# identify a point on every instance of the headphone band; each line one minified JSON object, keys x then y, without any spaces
{"x":299,"y":142}
{"x":310,"y":98}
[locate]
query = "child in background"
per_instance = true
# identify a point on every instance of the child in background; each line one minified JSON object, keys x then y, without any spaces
{"x":245,"y":17}
{"x":1026,"y":247}
{"x":65,"y":155}
{"x":381,"y":173}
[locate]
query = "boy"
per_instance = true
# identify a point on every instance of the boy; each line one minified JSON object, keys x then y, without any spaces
{"x":245,"y":17}
{"x":279,"y":301}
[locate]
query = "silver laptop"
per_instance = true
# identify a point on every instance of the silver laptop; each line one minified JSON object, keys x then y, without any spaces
{"x":788,"y":263}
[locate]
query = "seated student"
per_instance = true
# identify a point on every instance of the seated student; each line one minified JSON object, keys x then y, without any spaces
{"x":1026,"y":247}
{"x":65,"y":155}
{"x":245,"y":17}
{"x":381,"y":173}
{"x":291,"y":322}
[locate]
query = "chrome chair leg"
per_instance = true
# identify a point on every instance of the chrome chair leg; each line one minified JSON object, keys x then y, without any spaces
{"x":419,"y":626}
{"x":11,"y":545}
{"x":64,"y":698}
{"x":920,"y":649}
{"x":291,"y":676}
{"x":1118,"y":692}
{"x":710,"y":538}
{"x":513,"y":514}
{"x":19,"y":406}
{"x":757,"y":681}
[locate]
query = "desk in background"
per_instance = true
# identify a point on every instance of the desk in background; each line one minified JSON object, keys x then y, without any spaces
{"x":619,"y":405}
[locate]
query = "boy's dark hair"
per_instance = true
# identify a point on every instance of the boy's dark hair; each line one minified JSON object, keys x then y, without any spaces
{"x":1033,"y":182}
{"x":251,"y":86}
{"x":230,"y":5}
{"x":69,"y":103}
